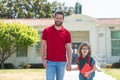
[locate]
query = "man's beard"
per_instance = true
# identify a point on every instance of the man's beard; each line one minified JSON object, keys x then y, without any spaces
{"x":58,"y":23}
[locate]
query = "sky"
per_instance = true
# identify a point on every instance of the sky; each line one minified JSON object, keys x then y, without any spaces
{"x":96,"y":8}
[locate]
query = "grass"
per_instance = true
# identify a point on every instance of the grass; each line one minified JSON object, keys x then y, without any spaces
{"x":114,"y":72}
{"x":22,"y":74}
{"x":39,"y":74}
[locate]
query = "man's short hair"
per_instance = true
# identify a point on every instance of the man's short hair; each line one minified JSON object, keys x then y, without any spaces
{"x":59,"y":12}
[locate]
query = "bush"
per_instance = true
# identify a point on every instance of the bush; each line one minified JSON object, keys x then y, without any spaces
{"x":116,"y":65}
{"x":38,"y":65}
{"x":109,"y":65}
{"x":8,"y":66}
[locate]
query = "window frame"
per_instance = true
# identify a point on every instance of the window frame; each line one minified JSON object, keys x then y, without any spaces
{"x":112,"y":46}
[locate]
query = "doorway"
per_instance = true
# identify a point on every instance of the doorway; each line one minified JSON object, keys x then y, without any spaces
{"x":75,"y":47}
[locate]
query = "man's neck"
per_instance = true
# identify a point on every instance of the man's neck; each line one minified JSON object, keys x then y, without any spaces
{"x":58,"y":27}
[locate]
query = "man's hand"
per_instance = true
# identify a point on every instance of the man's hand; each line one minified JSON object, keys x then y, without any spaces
{"x":68,"y":67}
{"x":44,"y":62}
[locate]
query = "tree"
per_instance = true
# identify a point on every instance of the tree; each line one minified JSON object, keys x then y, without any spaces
{"x":41,"y":8}
{"x":62,"y":7}
{"x":15,"y":37}
{"x":31,"y":8}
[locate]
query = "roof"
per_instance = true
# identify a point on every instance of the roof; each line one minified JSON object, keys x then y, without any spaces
{"x":108,"y":21}
{"x":50,"y":21}
{"x":32,"y":22}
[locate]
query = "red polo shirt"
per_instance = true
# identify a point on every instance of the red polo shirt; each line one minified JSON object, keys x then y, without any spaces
{"x":56,"y":41}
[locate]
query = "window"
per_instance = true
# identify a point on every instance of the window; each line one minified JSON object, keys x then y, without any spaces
{"x":115,"y":42}
{"x":22,"y":53}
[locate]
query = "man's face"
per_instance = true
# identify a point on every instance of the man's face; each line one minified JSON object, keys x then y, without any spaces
{"x":58,"y":20}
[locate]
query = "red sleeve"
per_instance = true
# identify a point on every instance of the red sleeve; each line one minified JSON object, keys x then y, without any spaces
{"x":69,"y":38}
{"x":44,"y":34}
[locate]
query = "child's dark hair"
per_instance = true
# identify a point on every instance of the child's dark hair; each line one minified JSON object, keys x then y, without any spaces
{"x":80,"y":48}
{"x":59,"y":12}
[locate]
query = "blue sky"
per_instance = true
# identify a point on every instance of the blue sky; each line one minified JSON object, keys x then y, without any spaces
{"x":97,"y":8}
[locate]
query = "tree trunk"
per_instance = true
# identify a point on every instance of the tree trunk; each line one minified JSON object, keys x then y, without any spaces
{"x":2,"y":64}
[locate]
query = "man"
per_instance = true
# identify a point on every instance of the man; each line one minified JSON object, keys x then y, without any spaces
{"x":56,"y":43}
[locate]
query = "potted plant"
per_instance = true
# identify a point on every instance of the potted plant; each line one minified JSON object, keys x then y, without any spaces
{"x":25,"y":65}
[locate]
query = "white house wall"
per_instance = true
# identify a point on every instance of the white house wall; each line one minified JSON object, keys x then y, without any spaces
{"x":110,"y":58}
{"x":93,"y":41}
{"x":16,"y":61}
{"x":102,"y":46}
{"x":32,"y":57}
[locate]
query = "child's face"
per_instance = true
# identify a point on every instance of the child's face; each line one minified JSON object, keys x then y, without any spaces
{"x":85,"y":50}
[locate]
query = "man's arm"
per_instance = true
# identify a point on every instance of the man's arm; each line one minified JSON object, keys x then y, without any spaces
{"x":69,"y":56}
{"x":42,"y":52}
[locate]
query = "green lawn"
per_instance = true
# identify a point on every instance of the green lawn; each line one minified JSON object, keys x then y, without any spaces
{"x":114,"y":72}
{"x":39,"y":74}
{"x":22,"y":74}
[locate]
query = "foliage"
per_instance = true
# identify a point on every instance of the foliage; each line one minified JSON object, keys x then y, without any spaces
{"x":15,"y":37}
{"x":61,"y":7}
{"x":31,"y":8}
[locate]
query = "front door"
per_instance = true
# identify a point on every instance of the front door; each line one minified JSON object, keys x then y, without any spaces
{"x":75,"y":47}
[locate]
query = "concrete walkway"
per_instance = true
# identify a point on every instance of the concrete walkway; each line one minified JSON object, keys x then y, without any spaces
{"x":99,"y":75}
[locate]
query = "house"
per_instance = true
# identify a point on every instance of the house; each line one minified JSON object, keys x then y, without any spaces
{"x":109,"y":39}
{"x":103,"y":34}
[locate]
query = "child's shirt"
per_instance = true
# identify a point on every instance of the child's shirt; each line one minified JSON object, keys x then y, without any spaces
{"x":83,"y":60}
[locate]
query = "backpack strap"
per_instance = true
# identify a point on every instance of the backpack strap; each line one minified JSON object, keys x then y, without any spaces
{"x":78,"y":61}
{"x":89,"y":60}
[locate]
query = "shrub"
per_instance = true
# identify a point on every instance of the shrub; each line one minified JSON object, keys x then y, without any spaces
{"x":8,"y":66}
{"x":36,"y":65}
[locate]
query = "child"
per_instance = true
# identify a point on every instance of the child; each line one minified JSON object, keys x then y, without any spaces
{"x":84,"y":51}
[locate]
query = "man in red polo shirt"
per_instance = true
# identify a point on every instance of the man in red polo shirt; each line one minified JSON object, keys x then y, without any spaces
{"x":56,"y":43}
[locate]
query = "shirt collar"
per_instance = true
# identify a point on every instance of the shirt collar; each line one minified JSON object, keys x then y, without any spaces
{"x":84,"y":58}
{"x":58,"y":30}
